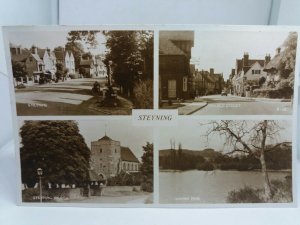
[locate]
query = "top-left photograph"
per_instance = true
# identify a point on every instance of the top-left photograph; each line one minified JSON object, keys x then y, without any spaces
{"x":81,"y":72}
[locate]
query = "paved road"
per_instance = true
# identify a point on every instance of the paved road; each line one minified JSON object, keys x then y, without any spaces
{"x":62,"y":92}
{"x":232,"y":105}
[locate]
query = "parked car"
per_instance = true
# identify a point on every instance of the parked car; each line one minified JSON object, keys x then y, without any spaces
{"x":223,"y":93}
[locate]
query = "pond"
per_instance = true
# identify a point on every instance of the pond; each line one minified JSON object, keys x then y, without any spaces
{"x":208,"y":186}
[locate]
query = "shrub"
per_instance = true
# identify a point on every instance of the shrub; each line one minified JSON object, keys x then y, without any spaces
{"x":206,"y":166}
{"x":143,"y":94}
{"x":147,"y":186}
{"x":244,"y":195}
{"x":19,"y":86}
{"x":282,"y":192}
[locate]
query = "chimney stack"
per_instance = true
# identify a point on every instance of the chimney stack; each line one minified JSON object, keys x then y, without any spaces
{"x":246,"y":59}
{"x":278,"y":50}
{"x":211,"y":71}
{"x":267,"y":59}
{"x":232,"y":72}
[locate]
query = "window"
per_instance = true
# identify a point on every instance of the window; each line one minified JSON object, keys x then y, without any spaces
{"x":124,"y":166}
{"x":255,"y":71}
{"x":100,"y":150}
{"x":184,"y":88}
{"x":115,"y":150}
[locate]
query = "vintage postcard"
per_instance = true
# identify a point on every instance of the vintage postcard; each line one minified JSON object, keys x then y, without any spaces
{"x":227,"y":161}
{"x":81,"y":72}
{"x":84,"y":161}
{"x":154,"y":115}
{"x":227,"y":72}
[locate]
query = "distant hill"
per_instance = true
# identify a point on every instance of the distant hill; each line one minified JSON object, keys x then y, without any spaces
{"x":207,"y":153}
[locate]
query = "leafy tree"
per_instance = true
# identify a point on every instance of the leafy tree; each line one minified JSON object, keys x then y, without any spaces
{"x":250,"y":138}
{"x":18,"y":70}
{"x":287,"y":61}
{"x":58,"y":148}
{"x":128,"y":51}
{"x":75,"y":41}
{"x":147,"y":167}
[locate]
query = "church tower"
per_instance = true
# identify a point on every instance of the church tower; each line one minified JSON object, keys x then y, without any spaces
{"x":106,"y":157}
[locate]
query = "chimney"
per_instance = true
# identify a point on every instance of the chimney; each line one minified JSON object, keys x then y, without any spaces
{"x":48,"y":51}
{"x":267,"y":59}
{"x":34,"y":49}
{"x":211,"y":71}
{"x":278,"y":50}
{"x":246,"y":59}
{"x":232,"y":72}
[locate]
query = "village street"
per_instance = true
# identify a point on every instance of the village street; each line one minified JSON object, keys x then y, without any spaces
{"x":71,"y":97}
{"x":235,"y":105}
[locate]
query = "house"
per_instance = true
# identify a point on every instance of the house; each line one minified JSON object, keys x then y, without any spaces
{"x":87,"y":67}
{"x":248,"y":72}
{"x":108,"y":158}
{"x":273,"y":75}
{"x":208,"y":82}
{"x":174,"y":64}
{"x":67,"y":59}
{"x":100,"y":70}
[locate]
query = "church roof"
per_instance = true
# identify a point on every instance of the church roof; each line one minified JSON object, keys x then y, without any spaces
{"x":105,"y":138}
{"x":127,"y":155}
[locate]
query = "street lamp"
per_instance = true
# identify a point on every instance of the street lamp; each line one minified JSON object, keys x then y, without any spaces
{"x":40,"y":173}
{"x":109,"y":72}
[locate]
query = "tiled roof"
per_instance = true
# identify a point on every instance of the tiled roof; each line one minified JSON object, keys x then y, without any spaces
{"x":240,"y":64}
{"x":273,"y":64}
{"x":127,"y":155}
{"x":37,"y":58}
{"x":166,"y":47}
{"x":177,"y":35}
{"x":105,"y":138}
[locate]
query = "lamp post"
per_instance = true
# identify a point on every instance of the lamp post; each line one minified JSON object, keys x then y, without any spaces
{"x":40,"y":173}
{"x":109,"y":73}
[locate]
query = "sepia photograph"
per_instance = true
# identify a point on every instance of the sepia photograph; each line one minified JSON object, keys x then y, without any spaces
{"x":81,"y":72}
{"x":226,"y":162}
{"x":86,"y":161}
{"x":227,"y":72}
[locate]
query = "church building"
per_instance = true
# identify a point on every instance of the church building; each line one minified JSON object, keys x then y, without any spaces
{"x":108,"y":158}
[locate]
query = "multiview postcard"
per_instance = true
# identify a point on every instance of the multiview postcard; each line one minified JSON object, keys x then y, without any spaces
{"x":154,"y":115}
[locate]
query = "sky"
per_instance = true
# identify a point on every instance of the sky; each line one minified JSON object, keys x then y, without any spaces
{"x":220,"y":49}
{"x":119,"y":130}
{"x":191,"y":136}
{"x":50,"y":39}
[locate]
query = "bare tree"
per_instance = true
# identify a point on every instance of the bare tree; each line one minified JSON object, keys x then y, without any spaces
{"x":251,"y":138}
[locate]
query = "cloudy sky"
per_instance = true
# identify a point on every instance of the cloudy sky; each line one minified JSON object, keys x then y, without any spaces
{"x":191,"y":135}
{"x":50,"y":39}
{"x":119,"y":130}
{"x":220,"y":49}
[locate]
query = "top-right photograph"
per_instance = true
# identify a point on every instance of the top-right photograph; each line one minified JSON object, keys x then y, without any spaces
{"x":227,"y":72}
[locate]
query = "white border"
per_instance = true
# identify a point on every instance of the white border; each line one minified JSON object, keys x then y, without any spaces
{"x":156,"y":29}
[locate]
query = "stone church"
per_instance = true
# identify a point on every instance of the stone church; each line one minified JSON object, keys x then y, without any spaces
{"x":108,"y":158}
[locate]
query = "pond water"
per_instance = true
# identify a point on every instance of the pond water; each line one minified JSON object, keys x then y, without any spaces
{"x":208,"y":186}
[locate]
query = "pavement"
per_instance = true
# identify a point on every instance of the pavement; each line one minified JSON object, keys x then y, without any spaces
{"x":191,"y":108}
{"x":236,"y":105}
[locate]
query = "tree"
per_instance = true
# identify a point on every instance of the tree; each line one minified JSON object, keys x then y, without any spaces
{"x":58,"y":148}
{"x":128,"y":51}
{"x":287,"y":61}
{"x":76,"y":40}
{"x":251,"y":138}
{"x":147,"y":167}
{"x":18,"y":70}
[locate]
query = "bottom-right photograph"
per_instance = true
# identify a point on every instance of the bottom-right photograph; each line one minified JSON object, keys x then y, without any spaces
{"x":226,"y":161}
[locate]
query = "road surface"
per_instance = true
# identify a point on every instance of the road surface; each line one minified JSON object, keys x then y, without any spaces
{"x":234,"y":105}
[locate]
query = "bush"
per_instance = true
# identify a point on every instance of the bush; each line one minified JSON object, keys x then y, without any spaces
{"x":125,"y":179}
{"x":206,"y":166}
{"x":143,"y":94}
{"x":282,"y":192}
{"x":244,"y":195}
{"x":19,"y":86}
{"x":147,"y":186}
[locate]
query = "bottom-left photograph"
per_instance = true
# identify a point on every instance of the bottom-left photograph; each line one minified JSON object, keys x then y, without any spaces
{"x":86,"y":161}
